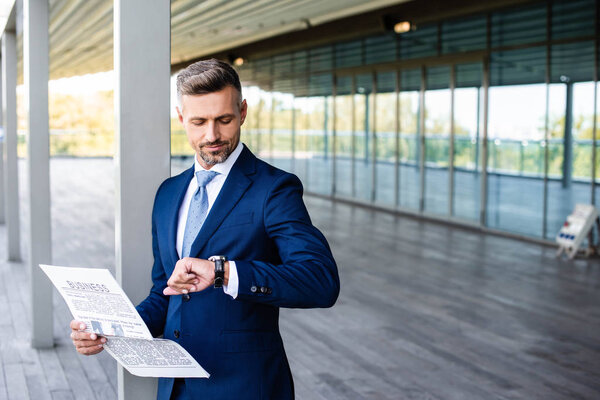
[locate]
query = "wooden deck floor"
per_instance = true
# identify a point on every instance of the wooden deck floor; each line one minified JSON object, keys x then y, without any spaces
{"x":426,"y":311}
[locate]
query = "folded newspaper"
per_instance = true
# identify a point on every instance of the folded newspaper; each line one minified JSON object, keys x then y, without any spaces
{"x":96,"y":299}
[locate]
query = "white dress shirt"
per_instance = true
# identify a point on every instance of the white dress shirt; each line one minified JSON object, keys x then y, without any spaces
{"x":212,"y":190}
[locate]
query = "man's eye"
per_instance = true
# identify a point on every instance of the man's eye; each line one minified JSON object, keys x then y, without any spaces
{"x":197,"y":123}
{"x":225,"y":120}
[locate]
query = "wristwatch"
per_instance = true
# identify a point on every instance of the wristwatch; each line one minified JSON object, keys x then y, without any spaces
{"x":219,"y":269}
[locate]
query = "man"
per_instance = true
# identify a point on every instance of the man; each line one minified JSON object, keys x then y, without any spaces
{"x":229,"y":203}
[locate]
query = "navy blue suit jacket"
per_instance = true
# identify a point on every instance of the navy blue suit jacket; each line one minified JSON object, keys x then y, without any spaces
{"x":259,"y":221}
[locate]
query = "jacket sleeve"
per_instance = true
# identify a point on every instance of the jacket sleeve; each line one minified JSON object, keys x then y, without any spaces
{"x":153,"y":309}
{"x":307,"y":276}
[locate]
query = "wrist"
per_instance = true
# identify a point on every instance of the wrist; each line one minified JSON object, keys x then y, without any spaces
{"x":219,"y":271}
{"x":226,"y":277}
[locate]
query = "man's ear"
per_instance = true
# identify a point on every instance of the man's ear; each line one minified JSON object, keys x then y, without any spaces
{"x":243,"y":112}
{"x":179,"y":114}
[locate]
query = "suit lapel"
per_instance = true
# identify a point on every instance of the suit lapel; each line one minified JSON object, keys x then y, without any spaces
{"x":181,"y":189}
{"x":232,"y":191}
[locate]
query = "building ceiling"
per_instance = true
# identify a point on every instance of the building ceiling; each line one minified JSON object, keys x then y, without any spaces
{"x":81,"y":31}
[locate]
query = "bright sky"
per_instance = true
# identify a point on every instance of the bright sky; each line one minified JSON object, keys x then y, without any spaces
{"x":101,"y":81}
{"x":5,"y":6}
{"x":83,"y":84}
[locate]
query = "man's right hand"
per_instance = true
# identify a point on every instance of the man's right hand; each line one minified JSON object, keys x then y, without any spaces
{"x":86,"y":343}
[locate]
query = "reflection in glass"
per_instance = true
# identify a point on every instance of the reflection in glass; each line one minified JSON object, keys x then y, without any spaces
{"x":363,"y":104}
{"x":250,"y":129}
{"x":264,"y":121}
{"x":569,"y":183}
{"x":467,"y":153}
{"x":281,"y":154}
{"x":296,"y":134}
{"x":316,"y":133}
{"x":343,"y":128}
{"x":437,"y":139}
{"x":597,"y":147}
{"x":410,"y":81}
{"x":385,"y":131}
{"x":301,"y":145}
{"x":516,"y":158}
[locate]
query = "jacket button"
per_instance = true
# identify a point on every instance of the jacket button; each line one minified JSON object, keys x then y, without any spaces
{"x":253,"y":289}
{"x":176,"y":333}
{"x":263,"y":289}
{"x":186,"y":297}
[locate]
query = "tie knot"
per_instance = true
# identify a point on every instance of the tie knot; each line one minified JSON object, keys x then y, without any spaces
{"x":204,"y":177}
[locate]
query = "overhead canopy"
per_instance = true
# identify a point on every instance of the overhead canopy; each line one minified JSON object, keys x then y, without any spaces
{"x":81,"y":31}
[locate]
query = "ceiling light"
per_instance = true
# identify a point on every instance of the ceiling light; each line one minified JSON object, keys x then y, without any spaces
{"x":238,"y":62}
{"x":402,"y":27}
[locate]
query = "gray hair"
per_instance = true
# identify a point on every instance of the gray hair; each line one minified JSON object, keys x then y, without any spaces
{"x":207,"y":76}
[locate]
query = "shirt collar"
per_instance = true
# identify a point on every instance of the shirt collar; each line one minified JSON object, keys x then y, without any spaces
{"x":224,"y":167}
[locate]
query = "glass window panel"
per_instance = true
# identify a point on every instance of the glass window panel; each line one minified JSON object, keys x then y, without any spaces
{"x":419,"y":43}
{"x":282,"y":65}
{"x":285,"y":85}
{"x":320,"y":85}
{"x":327,"y":171}
{"x":571,"y":18}
{"x":343,"y":128}
{"x":302,"y":155}
{"x":516,"y":158}
{"x":467,"y":152}
{"x":437,"y":140}
{"x":246,"y":71}
{"x":282,"y":130}
{"x":568,"y":186}
{"x":320,"y":169}
{"x":363,"y":104}
{"x":525,"y":24}
{"x":520,"y":66}
{"x":318,"y":112}
{"x":465,"y":34}
{"x":300,"y":63}
{"x":250,"y":129}
{"x":409,"y":140}
{"x":265,"y":120}
{"x":300,"y":86}
{"x":262,"y":70}
{"x":583,"y":130}
{"x":380,"y":49}
{"x":385,"y":128}
{"x":597,"y":147}
{"x":321,"y":58}
{"x":411,"y":79}
{"x":438,"y":78}
{"x":467,"y":142}
{"x":349,"y":54}
{"x":572,"y":61}
{"x":469,"y":75}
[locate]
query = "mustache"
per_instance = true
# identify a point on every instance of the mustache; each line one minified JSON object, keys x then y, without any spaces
{"x":215,"y":143}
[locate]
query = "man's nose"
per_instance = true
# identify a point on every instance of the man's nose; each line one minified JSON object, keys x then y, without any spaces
{"x":212,"y":131}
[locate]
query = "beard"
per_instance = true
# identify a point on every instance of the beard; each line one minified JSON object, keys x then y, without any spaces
{"x":216,"y":157}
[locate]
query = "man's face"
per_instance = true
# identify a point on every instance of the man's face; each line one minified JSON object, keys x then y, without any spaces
{"x":212,"y":123}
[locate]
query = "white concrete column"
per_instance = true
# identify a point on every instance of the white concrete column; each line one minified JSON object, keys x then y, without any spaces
{"x":11,"y":168}
{"x":35,"y":75}
{"x":142,"y":63}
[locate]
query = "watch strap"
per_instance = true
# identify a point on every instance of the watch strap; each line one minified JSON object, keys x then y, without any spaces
{"x":219,"y":270}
